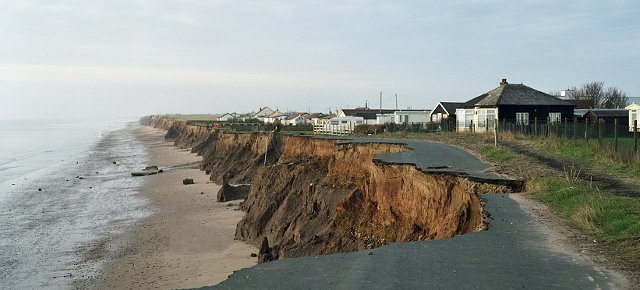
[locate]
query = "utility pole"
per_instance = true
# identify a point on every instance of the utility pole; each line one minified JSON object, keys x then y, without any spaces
{"x":380,"y":101}
{"x":396,"y":101}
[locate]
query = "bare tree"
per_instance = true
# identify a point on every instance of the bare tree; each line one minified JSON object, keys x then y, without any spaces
{"x":614,"y":98}
{"x":594,"y":93}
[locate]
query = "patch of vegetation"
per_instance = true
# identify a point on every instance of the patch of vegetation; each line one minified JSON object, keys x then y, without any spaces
{"x":610,"y":218}
{"x":602,"y":158}
{"x":496,"y":154}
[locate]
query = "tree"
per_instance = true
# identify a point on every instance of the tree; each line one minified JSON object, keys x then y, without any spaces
{"x":593,"y":95}
{"x":614,"y":98}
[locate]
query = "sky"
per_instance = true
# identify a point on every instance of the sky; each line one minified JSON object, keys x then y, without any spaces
{"x":115,"y":59}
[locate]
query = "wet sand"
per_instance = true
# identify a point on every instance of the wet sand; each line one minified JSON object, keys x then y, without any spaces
{"x":188,"y":241}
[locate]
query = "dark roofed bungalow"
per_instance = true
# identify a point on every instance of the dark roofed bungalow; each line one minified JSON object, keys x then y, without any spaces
{"x":368,"y":114}
{"x":513,"y":103}
{"x":608,"y":116}
{"x":445,"y":111}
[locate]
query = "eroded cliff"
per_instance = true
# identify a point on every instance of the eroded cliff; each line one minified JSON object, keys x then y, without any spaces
{"x":320,"y":196}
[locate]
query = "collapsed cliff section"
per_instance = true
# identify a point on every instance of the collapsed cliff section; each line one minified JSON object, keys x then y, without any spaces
{"x":321,"y":196}
{"x":329,"y":196}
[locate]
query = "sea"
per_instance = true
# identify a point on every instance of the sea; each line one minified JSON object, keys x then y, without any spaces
{"x":65,"y":192}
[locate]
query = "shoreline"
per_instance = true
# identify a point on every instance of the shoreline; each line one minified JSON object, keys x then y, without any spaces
{"x":188,"y":241}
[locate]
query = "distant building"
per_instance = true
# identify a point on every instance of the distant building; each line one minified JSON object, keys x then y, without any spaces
{"x":634,"y":115}
{"x":608,"y":116}
{"x":515,"y":103}
{"x":412,"y":117}
{"x":445,"y":111}
{"x":263,"y":113}
{"x":225,"y":117}
{"x":369,"y":116}
{"x":273,"y":117}
{"x":295,"y":119}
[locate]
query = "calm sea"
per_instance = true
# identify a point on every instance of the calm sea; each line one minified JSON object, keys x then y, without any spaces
{"x":63,"y":200}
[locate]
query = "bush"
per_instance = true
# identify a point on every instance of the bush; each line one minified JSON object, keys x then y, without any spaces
{"x":369,"y":129}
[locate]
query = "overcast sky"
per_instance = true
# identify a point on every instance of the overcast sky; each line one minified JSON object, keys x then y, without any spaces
{"x":107,"y":59}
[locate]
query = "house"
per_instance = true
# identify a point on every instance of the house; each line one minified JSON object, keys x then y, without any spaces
{"x":368,"y":115}
{"x":444,"y":111}
{"x":273,"y":117}
{"x":263,"y":113}
{"x":318,"y":118}
{"x":382,"y":119}
{"x":634,"y":116}
{"x":225,"y":117}
{"x":607,"y":116}
{"x":341,"y":125}
{"x":295,"y":119}
{"x":514,"y":103}
{"x":411,"y":117}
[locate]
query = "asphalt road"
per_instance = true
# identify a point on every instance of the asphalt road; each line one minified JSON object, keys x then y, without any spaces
{"x":512,"y":254}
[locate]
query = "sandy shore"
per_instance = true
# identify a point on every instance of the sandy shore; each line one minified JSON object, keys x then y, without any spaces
{"x":188,"y":241}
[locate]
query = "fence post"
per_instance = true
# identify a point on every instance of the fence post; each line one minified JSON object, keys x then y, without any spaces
{"x":535,"y":126}
{"x":615,"y":134}
{"x":600,"y":131}
{"x":548,"y":132}
{"x":495,"y":133}
{"x":586,"y":129}
{"x":564,"y":133}
{"x":575,"y":127}
{"x":635,"y":137}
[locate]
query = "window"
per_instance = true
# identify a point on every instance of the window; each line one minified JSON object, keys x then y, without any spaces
{"x":555,"y":117}
{"x":468,"y":117}
{"x":522,"y":118}
{"x":482,"y":118}
{"x":334,"y":122}
{"x":343,"y":122}
{"x":491,"y":117}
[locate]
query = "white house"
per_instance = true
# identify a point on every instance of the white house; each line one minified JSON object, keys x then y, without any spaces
{"x":382,"y":119}
{"x":275,"y":116}
{"x":225,"y":117}
{"x":296,"y":119}
{"x":634,"y":115}
{"x":263,"y":113}
{"x":339,"y":125}
{"x":444,"y":111}
{"x":412,"y":117}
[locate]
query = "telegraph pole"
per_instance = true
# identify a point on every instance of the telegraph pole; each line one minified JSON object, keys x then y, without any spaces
{"x":396,"y":101}
{"x":380,"y":101}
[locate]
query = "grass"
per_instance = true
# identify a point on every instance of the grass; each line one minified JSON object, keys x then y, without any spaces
{"x":496,"y":154}
{"x":602,"y":158}
{"x":614,"y":220}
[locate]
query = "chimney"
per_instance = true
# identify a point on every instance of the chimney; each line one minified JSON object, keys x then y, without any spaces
{"x":503,"y":82}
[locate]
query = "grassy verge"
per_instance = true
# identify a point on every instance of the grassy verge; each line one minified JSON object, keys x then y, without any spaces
{"x":603,"y":159}
{"x":496,"y":154}
{"x":612,"y":219}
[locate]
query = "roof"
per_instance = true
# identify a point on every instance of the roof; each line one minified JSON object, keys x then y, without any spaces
{"x":317,"y":115}
{"x":449,"y":107}
{"x":295,"y":115}
{"x":633,"y":106}
{"x":276,"y":114}
{"x":580,"y":112}
{"x":610,"y":112}
{"x":366,"y":112}
{"x":515,"y":95}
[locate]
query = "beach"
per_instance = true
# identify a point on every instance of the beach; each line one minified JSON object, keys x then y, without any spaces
{"x":187,"y":241}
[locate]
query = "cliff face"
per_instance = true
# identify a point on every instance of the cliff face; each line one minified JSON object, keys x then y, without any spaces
{"x":321,"y":196}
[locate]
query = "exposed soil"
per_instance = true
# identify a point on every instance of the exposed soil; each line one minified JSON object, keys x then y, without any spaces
{"x":322,"y":196}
